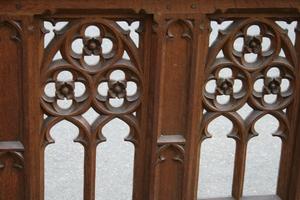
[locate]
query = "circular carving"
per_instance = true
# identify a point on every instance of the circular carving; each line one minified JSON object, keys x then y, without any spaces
{"x":65,"y":91}
{"x":243,"y":40}
{"x":254,"y":36}
{"x":106,"y":41}
{"x":96,"y":54}
{"x":117,"y":88}
{"x":273,"y":86}
{"x":226,"y":87}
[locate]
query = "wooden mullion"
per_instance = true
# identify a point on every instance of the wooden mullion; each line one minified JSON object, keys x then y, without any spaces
{"x":90,"y":172}
{"x":239,"y":169}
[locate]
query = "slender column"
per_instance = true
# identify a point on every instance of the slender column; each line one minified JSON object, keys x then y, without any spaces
{"x":89,"y":172}
{"x":239,"y":170}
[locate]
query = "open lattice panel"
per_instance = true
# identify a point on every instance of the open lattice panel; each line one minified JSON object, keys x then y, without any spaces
{"x":149,"y":100}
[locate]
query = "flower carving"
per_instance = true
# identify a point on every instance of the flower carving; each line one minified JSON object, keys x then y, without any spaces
{"x":224,"y":86}
{"x":92,"y":46}
{"x":117,"y":89}
{"x":253,"y":44}
{"x":64,"y":90}
{"x":272,"y":85}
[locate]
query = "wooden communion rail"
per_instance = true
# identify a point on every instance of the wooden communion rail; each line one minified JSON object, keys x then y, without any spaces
{"x":169,"y":112}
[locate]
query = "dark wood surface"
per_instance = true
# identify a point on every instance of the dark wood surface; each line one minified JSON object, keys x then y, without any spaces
{"x":171,"y":67}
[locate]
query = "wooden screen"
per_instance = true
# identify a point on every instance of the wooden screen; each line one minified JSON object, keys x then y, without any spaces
{"x":171,"y":88}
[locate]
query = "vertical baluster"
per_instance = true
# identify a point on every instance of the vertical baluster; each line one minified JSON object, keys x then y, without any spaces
{"x":239,"y":169}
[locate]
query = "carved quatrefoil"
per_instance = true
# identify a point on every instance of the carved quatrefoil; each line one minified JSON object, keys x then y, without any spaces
{"x":108,"y":42}
{"x":266,"y":44}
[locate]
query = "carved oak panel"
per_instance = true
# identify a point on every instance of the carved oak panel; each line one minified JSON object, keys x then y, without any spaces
{"x":11,"y":126}
{"x":280,"y":56}
{"x":179,"y":81}
{"x":11,"y":72}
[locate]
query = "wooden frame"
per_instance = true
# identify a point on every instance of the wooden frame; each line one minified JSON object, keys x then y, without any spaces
{"x":171,"y":66}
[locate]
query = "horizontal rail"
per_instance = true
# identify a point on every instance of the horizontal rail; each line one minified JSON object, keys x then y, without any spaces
{"x":267,"y":197}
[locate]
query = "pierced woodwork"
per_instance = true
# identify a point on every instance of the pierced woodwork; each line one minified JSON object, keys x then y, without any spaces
{"x":92,"y":76}
{"x":156,"y":66}
{"x":248,"y":73}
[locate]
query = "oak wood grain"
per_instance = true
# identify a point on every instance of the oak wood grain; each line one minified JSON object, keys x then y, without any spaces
{"x":169,"y":114}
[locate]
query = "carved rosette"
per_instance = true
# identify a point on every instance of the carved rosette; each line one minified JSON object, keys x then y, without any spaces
{"x":91,"y":76}
{"x":280,"y":56}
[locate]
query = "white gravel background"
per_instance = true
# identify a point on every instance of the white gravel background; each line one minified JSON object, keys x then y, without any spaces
{"x":64,"y":159}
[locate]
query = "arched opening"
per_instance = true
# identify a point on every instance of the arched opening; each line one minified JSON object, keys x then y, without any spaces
{"x":115,"y":160}
{"x":263,"y":156}
{"x":64,"y":164}
{"x":217,"y":160}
